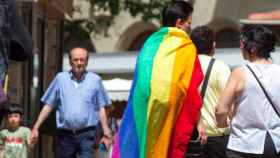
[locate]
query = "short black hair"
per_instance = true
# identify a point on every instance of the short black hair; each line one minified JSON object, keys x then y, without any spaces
{"x":203,"y":38}
{"x":13,"y":108}
{"x":175,"y":10}
{"x":260,"y":38}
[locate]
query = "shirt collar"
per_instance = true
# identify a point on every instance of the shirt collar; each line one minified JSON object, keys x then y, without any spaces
{"x":75,"y":79}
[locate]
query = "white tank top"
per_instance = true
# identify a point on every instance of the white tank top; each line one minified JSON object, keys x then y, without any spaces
{"x":254,"y":114}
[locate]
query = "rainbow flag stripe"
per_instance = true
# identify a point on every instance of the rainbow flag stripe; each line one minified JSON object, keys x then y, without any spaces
{"x":164,"y":103}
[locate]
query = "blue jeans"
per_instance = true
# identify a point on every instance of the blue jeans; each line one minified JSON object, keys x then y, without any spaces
{"x":69,"y":145}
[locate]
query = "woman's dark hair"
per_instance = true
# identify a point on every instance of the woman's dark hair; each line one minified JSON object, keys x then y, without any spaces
{"x":260,"y":38}
{"x":175,"y":10}
{"x":13,"y":108}
{"x":203,"y":38}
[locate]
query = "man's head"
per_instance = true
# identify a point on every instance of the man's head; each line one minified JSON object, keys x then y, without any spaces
{"x":204,"y":40}
{"x":14,"y":115}
{"x":78,"y":58}
{"x":178,"y":14}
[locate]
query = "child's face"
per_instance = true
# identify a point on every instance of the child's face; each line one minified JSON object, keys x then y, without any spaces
{"x":14,"y":120}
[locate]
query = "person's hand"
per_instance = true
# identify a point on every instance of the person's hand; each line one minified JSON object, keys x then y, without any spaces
{"x":1,"y":151}
{"x":202,"y":136}
{"x":107,"y":138}
{"x":107,"y":141}
{"x":221,"y":121}
{"x":107,"y":132}
{"x":34,"y":136}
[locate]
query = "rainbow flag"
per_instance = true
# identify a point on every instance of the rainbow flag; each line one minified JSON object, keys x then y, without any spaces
{"x":164,"y":102}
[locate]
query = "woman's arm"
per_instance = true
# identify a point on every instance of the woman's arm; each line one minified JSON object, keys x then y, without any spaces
{"x":233,"y":88}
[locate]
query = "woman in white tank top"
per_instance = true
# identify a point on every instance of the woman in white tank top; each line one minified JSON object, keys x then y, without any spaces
{"x":255,"y":125}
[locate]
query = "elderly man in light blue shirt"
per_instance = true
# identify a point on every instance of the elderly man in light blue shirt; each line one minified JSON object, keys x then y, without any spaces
{"x":79,"y":99}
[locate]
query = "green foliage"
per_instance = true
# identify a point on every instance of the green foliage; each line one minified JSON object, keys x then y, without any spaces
{"x":112,"y":6}
{"x":103,"y":13}
{"x":147,"y":10}
{"x":76,"y":35}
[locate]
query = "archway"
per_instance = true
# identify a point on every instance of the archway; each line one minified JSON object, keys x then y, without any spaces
{"x":227,"y":38}
{"x":134,"y":36}
{"x":75,"y":35}
{"x":227,"y":32}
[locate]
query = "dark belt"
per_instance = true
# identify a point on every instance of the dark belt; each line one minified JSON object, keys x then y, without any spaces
{"x":217,"y":137}
{"x":77,"y":131}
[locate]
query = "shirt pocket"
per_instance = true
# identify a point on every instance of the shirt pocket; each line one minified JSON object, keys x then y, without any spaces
{"x":90,"y":97}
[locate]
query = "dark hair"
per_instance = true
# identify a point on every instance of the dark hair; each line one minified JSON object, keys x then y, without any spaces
{"x":13,"y":108}
{"x":260,"y":38}
{"x":175,"y":10}
{"x":203,"y":38}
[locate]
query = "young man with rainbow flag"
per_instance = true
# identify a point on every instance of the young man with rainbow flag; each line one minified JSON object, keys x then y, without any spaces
{"x":164,"y":102}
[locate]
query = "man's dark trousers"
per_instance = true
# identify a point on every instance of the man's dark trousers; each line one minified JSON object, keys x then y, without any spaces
{"x":71,"y":143}
{"x":215,"y":147}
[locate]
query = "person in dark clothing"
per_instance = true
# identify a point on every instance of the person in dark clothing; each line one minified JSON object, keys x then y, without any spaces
{"x":15,"y":42}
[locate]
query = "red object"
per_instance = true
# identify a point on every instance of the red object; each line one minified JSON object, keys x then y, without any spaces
{"x":188,"y":116}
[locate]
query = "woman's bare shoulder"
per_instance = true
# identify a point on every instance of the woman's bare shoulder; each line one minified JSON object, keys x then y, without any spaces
{"x":238,"y":72}
{"x":238,"y":78}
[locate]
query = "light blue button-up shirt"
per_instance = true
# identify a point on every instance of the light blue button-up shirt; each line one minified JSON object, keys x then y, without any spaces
{"x":77,"y":101}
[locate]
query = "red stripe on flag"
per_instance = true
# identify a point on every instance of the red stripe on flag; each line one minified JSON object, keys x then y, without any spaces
{"x":188,"y":115}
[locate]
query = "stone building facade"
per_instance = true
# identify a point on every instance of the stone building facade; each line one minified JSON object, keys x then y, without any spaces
{"x":128,"y":33}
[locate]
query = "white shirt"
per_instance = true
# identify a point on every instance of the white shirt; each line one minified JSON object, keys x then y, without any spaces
{"x":254,"y":114}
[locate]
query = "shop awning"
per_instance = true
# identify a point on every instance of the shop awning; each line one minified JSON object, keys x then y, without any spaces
{"x":118,"y":89}
{"x":259,"y":22}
